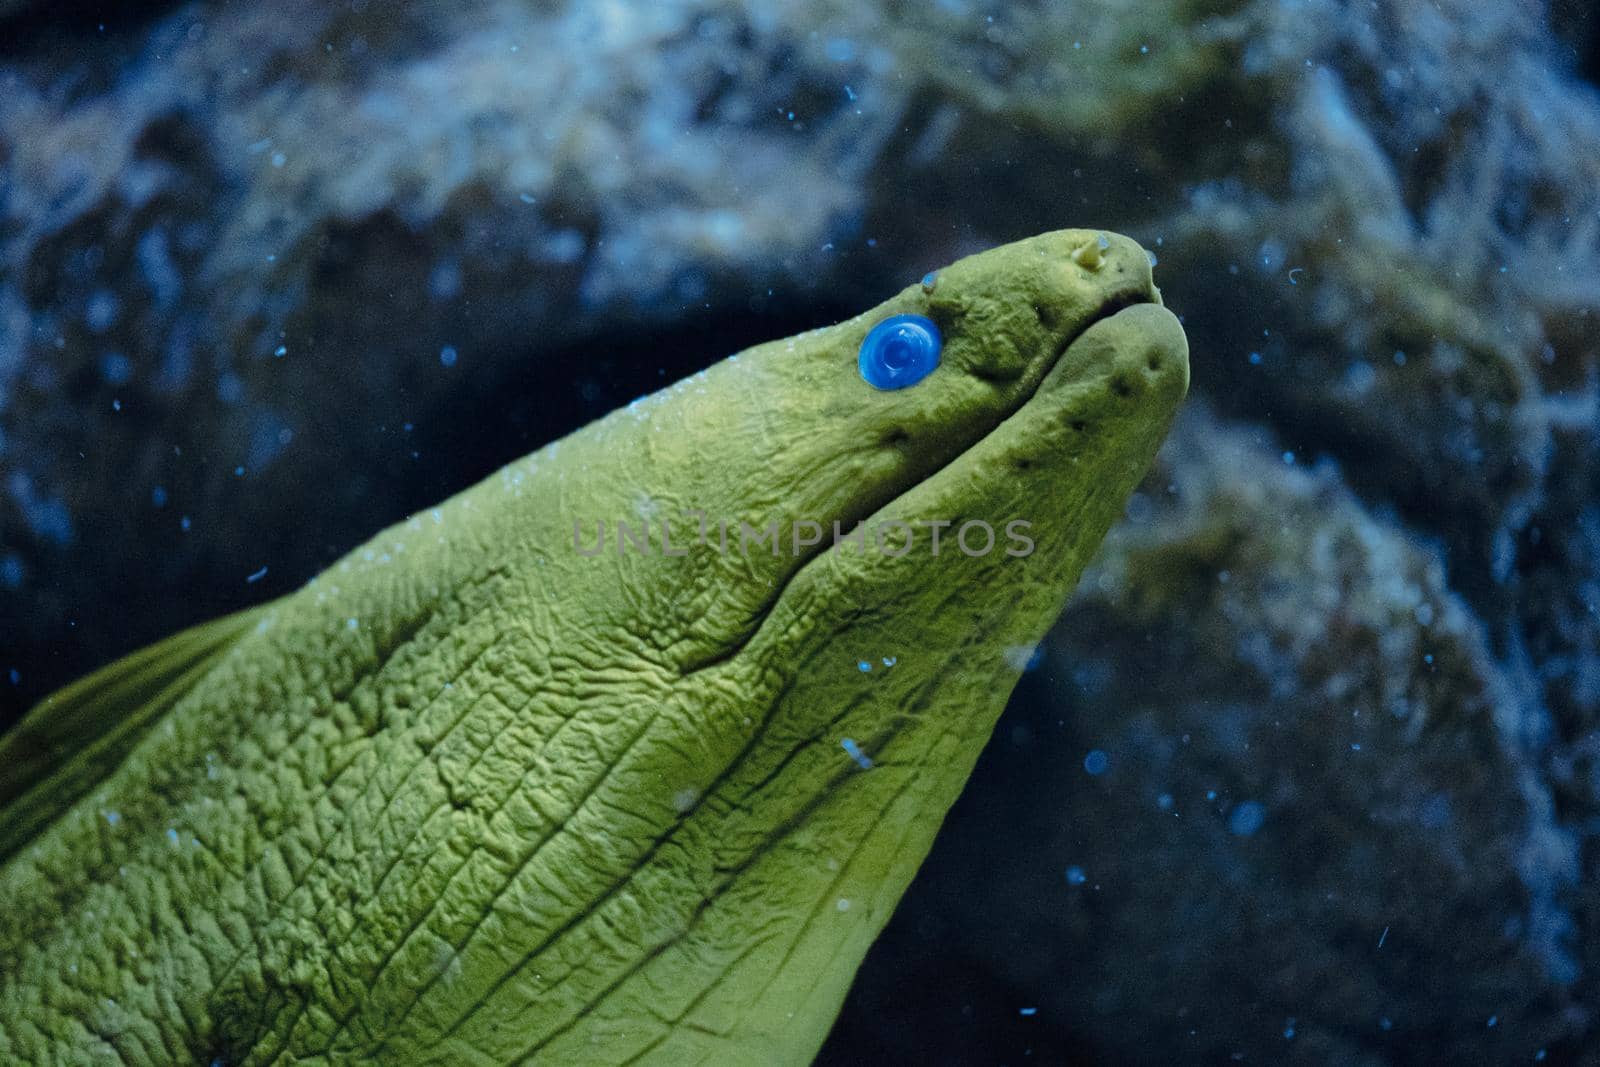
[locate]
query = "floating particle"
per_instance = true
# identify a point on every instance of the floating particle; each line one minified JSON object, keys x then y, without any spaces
{"x":257,"y":576}
{"x":854,"y":751}
{"x":1247,"y":818}
{"x":116,"y":368}
{"x":1075,"y":875}
{"x":1096,"y":762}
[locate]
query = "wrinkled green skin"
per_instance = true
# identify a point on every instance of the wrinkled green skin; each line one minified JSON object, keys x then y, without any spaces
{"x":537,"y":806}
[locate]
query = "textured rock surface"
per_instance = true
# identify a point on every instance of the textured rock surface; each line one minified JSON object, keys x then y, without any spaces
{"x":471,"y":228}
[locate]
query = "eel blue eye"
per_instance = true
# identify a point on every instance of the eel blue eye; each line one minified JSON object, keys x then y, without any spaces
{"x":900,"y":351}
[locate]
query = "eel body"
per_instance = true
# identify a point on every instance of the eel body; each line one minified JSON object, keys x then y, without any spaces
{"x":512,"y":784}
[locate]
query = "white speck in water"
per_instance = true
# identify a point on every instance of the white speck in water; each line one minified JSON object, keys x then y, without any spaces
{"x":172,"y":835}
{"x":844,"y":904}
{"x":863,"y":666}
{"x":257,"y":576}
{"x":447,"y":356}
{"x":113,"y":817}
{"x":1075,"y":875}
{"x":351,"y":623}
{"x":684,"y":800}
{"x":854,"y":751}
{"x":890,"y":661}
{"x":1027,"y":1012}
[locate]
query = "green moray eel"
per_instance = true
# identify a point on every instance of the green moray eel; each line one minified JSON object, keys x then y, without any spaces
{"x":491,"y":790}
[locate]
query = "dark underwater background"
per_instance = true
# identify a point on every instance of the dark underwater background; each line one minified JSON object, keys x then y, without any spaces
{"x":1309,"y":772}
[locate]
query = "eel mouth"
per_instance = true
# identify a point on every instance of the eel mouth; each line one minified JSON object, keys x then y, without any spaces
{"x":1139,"y":294}
{"x":1115,"y":304}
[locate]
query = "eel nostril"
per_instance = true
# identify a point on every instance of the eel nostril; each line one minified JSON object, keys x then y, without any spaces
{"x":1154,"y":362}
{"x":1121,"y":386}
